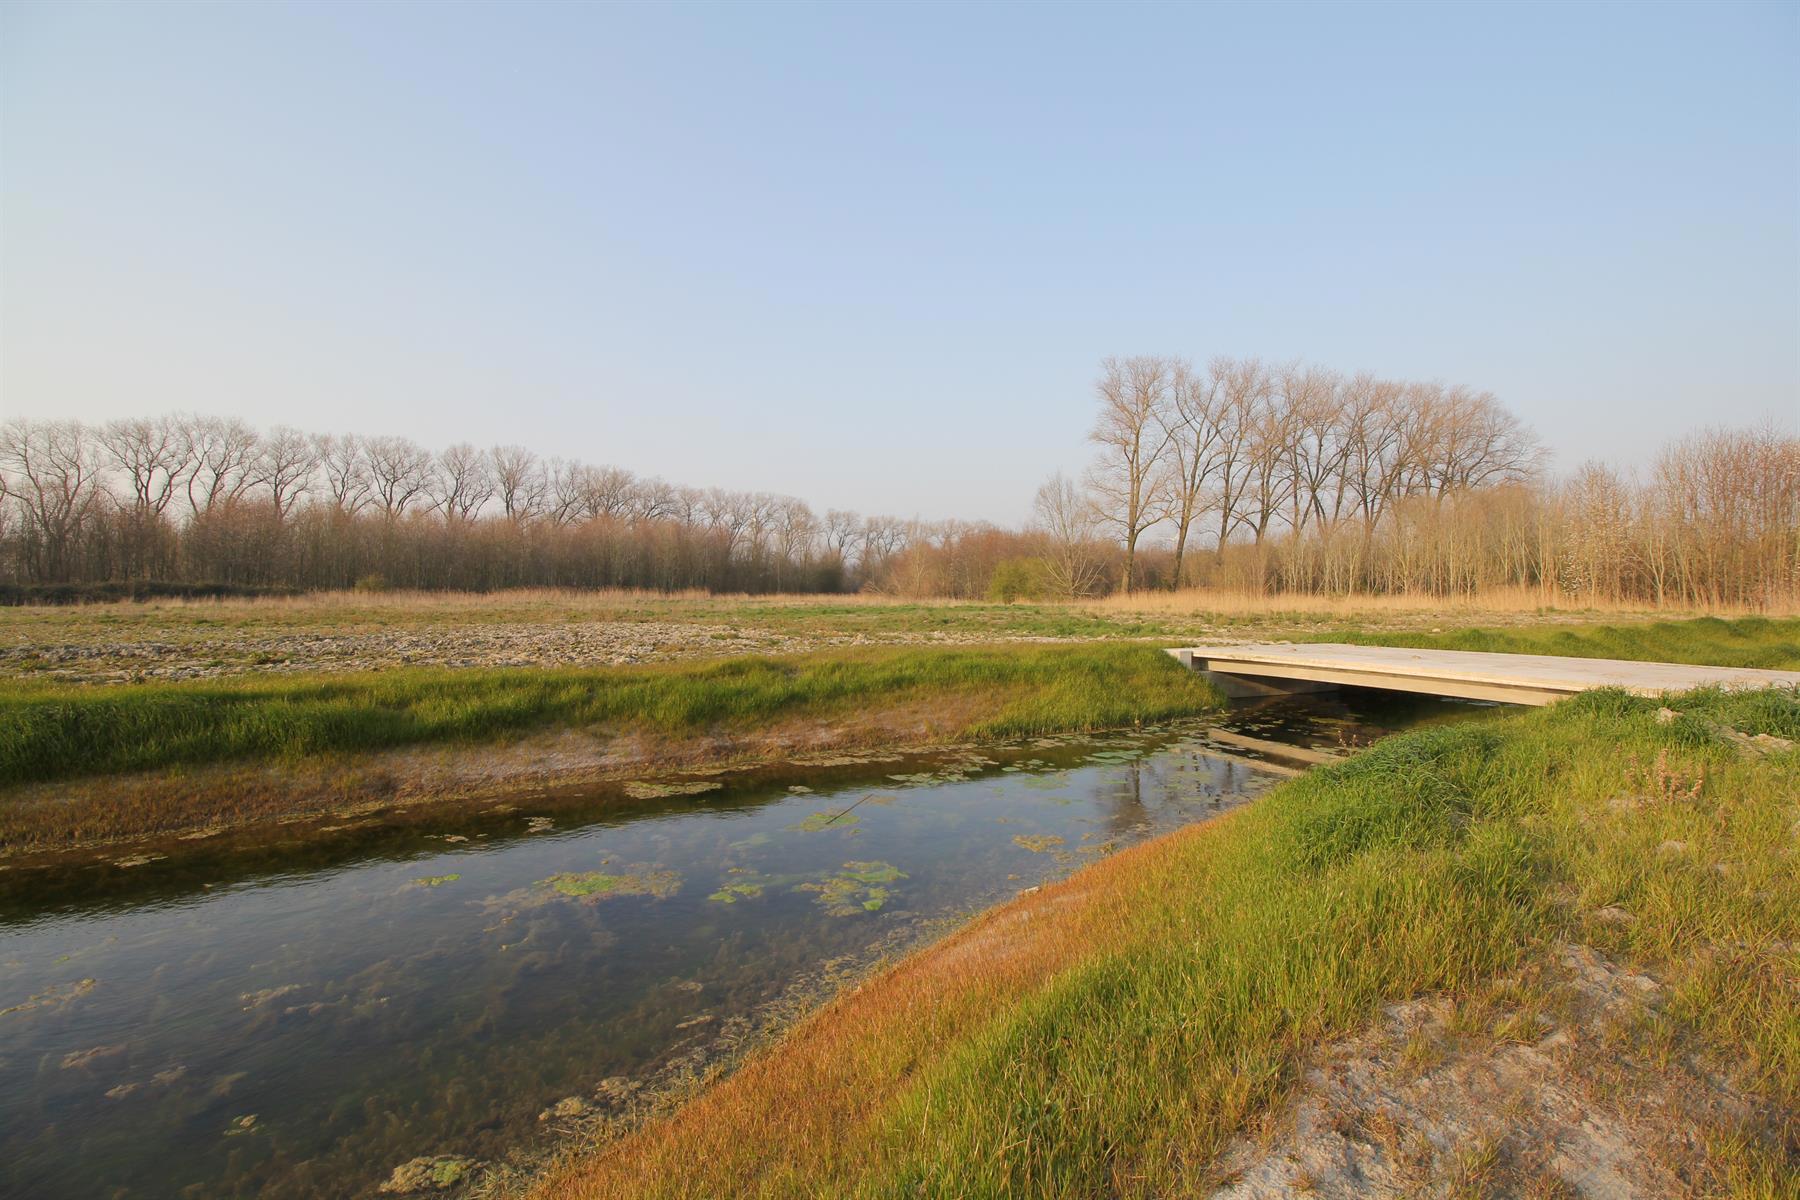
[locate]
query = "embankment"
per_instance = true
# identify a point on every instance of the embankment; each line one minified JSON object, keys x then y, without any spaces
{"x":90,"y":764}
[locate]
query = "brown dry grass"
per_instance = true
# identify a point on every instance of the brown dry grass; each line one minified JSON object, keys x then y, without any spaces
{"x":1491,"y":602}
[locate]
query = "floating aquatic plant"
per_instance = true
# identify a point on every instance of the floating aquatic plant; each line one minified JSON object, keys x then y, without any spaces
{"x":873,"y":872}
{"x":644,"y":789}
{"x":855,"y":889}
{"x":587,"y":885}
{"x":821,"y":820}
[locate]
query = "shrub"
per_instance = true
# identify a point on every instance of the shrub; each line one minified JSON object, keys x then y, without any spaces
{"x":1017,"y":579}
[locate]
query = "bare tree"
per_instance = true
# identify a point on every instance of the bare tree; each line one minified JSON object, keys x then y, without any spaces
{"x":608,"y":492}
{"x":465,"y":480}
{"x":153,"y":453}
{"x":882,"y":538}
{"x":843,"y":532}
{"x":652,"y":500}
{"x":1243,"y":390}
{"x":796,"y":535}
{"x":222,"y":463}
{"x":1195,"y":423}
{"x":1269,"y":457}
{"x":286,"y":465}
{"x":400,"y":472}
{"x":566,"y":492}
{"x":1316,"y":444}
{"x":518,"y":480}
{"x":685,"y":505}
{"x":345,"y":465}
{"x":53,"y":468}
{"x":1133,"y":438}
{"x":1375,"y":419}
{"x":1479,"y":443}
{"x":1070,"y":526}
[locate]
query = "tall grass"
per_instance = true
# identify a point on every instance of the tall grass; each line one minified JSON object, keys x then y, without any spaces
{"x":1106,"y":1036}
{"x":1221,"y":601}
{"x":63,"y":732}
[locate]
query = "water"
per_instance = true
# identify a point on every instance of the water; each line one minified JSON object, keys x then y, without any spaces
{"x":298,"y":1015}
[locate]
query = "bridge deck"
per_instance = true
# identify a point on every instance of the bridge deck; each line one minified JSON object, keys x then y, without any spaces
{"x":1250,"y":670}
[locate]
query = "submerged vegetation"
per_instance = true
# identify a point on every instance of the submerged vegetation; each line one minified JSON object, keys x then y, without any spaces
{"x":1108,"y":1035}
{"x":643,"y":881}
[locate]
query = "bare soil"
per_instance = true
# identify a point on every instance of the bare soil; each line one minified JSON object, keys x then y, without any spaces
{"x":1551,"y":1084}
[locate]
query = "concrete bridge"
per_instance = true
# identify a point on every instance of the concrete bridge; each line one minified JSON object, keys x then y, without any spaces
{"x":1276,"y":669}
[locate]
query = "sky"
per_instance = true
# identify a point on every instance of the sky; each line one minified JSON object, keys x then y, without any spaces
{"x":872,"y":255}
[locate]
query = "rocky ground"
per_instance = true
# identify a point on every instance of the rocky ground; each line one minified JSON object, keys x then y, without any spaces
{"x":213,"y":654}
{"x":160,"y":641}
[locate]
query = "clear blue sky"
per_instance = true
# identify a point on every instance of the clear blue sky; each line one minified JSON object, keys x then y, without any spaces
{"x":871,"y":255}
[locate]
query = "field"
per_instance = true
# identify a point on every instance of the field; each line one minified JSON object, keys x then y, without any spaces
{"x":349,"y":631}
{"x":177,"y":717}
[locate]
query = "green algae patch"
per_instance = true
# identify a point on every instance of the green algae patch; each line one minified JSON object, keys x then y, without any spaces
{"x":586,"y":883}
{"x":857,"y":888}
{"x":431,"y":881}
{"x":872,"y":872}
{"x":748,"y":884}
{"x":595,"y":885}
{"x":820,"y":821}
{"x":1037,"y":843}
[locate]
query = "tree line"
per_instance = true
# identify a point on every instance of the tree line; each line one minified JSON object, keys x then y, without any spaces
{"x":1298,"y":478}
{"x":201,"y":498}
{"x":1258,"y":477}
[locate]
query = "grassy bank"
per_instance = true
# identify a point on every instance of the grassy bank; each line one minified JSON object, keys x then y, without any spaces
{"x":1107,"y":1035}
{"x":84,"y":764}
{"x":59,"y":733}
{"x":1768,"y":643}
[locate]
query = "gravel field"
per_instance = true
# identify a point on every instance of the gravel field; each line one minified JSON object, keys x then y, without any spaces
{"x":536,"y":644}
{"x":174,"y":640}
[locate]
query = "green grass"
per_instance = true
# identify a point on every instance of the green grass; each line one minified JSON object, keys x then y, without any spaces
{"x":1427,"y":864}
{"x":1769,"y":643}
{"x":51,"y":733}
{"x":1187,"y":980}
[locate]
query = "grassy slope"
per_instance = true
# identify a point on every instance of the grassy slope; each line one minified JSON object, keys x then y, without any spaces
{"x":1106,"y":1036}
{"x":49,"y":733}
{"x":1769,"y":643}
